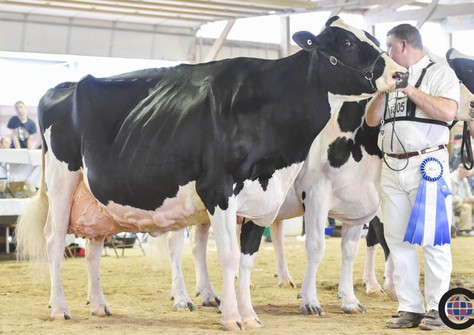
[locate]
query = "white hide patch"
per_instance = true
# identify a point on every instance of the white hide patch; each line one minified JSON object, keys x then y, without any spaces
{"x":464,"y":109}
{"x":262,"y":206}
{"x":349,"y":193}
{"x":336,"y":101}
{"x":357,"y":32}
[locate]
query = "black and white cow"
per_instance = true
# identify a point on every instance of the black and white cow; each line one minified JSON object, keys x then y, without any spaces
{"x":463,"y":66}
{"x":333,"y":174}
{"x":344,"y":136}
{"x":340,"y":179}
{"x":330,"y":181}
{"x":158,"y":150}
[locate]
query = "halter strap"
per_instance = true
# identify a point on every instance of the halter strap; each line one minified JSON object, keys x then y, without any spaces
{"x":367,"y":73}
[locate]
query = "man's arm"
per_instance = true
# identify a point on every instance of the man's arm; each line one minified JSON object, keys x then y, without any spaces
{"x":16,"y":142}
{"x":375,"y":110}
{"x":29,"y":143}
{"x":438,"y":108}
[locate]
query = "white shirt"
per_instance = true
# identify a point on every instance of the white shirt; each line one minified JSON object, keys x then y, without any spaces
{"x":439,"y":80}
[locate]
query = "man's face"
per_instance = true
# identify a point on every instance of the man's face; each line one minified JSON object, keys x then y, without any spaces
{"x":5,"y":143}
{"x":396,"y":48}
{"x":20,"y":110}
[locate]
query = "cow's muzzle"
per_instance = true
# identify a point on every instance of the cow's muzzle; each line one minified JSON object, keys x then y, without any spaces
{"x":401,"y":80}
{"x":471,"y":110}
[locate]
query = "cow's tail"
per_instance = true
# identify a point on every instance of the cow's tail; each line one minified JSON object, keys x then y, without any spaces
{"x":29,"y":231}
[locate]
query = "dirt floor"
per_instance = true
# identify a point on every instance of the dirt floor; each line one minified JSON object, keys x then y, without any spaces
{"x":139,"y":296}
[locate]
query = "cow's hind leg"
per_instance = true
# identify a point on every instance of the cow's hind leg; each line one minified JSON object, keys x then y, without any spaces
{"x":282,"y":273}
{"x":179,"y":294}
{"x":95,"y":296}
{"x":199,"y":235}
{"x":61,"y":186}
{"x":349,"y":243}
{"x":372,"y":286}
{"x":250,"y":238}
{"x":388,"y":285}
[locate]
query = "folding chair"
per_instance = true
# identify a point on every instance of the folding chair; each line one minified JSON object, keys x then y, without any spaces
{"x":123,"y":241}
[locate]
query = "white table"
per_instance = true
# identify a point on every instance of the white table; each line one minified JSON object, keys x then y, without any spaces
{"x":18,"y":165}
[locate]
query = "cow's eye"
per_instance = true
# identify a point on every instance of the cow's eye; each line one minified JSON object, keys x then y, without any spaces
{"x":347,"y":44}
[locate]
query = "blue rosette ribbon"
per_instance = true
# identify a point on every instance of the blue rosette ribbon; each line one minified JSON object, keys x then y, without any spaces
{"x":430,"y":199}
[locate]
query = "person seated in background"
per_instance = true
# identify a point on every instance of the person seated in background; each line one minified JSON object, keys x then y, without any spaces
{"x":455,"y":156}
{"x":5,"y":143}
{"x":22,"y":127}
{"x":463,"y":201}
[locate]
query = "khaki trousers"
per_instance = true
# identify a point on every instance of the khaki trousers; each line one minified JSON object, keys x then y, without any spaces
{"x":463,"y":213}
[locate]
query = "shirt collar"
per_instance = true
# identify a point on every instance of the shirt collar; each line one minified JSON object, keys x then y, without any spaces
{"x":418,"y":67}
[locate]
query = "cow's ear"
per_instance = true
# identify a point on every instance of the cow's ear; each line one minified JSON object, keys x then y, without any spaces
{"x":449,"y":53}
{"x":331,"y":20}
{"x":305,"y":40}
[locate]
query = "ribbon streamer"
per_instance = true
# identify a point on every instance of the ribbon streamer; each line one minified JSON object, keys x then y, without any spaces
{"x":427,"y":199}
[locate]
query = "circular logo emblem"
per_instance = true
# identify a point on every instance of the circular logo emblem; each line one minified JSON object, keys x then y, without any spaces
{"x":456,"y":308}
{"x":431,"y":169}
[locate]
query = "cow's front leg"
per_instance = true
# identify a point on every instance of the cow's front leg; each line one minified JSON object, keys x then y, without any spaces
{"x":282,"y":273}
{"x":250,"y":238}
{"x":179,"y":294}
{"x":349,"y":244}
{"x":199,"y":235}
{"x":224,"y":225}
{"x":95,"y":296}
{"x":315,"y":245}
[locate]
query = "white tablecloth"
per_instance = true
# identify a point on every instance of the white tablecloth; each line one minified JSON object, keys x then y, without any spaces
{"x":13,"y":206}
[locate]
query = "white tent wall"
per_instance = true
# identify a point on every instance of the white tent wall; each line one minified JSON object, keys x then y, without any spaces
{"x":56,"y":35}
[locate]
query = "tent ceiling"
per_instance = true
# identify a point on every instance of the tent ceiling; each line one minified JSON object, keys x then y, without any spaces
{"x":194,"y":13}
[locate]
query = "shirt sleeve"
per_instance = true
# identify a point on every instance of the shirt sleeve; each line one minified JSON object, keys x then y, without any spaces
{"x":446,"y":83}
{"x":12,"y":124}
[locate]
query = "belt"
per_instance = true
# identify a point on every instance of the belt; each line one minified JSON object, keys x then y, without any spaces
{"x":416,"y":153}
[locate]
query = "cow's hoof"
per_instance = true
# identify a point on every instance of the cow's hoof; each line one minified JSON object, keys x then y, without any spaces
{"x":212,"y":302}
{"x":312,"y":310}
{"x":354,"y":309}
{"x":284,"y":281}
{"x":60,"y":316}
{"x":254,"y":323}
{"x":391,"y":294}
{"x":102,"y":312}
{"x":287,"y":284}
{"x":233,"y":326}
{"x":185,"y":306}
{"x":375,"y":293}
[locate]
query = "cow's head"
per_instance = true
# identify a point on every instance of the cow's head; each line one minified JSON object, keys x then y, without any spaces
{"x":350,"y":61}
{"x":463,"y":66}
